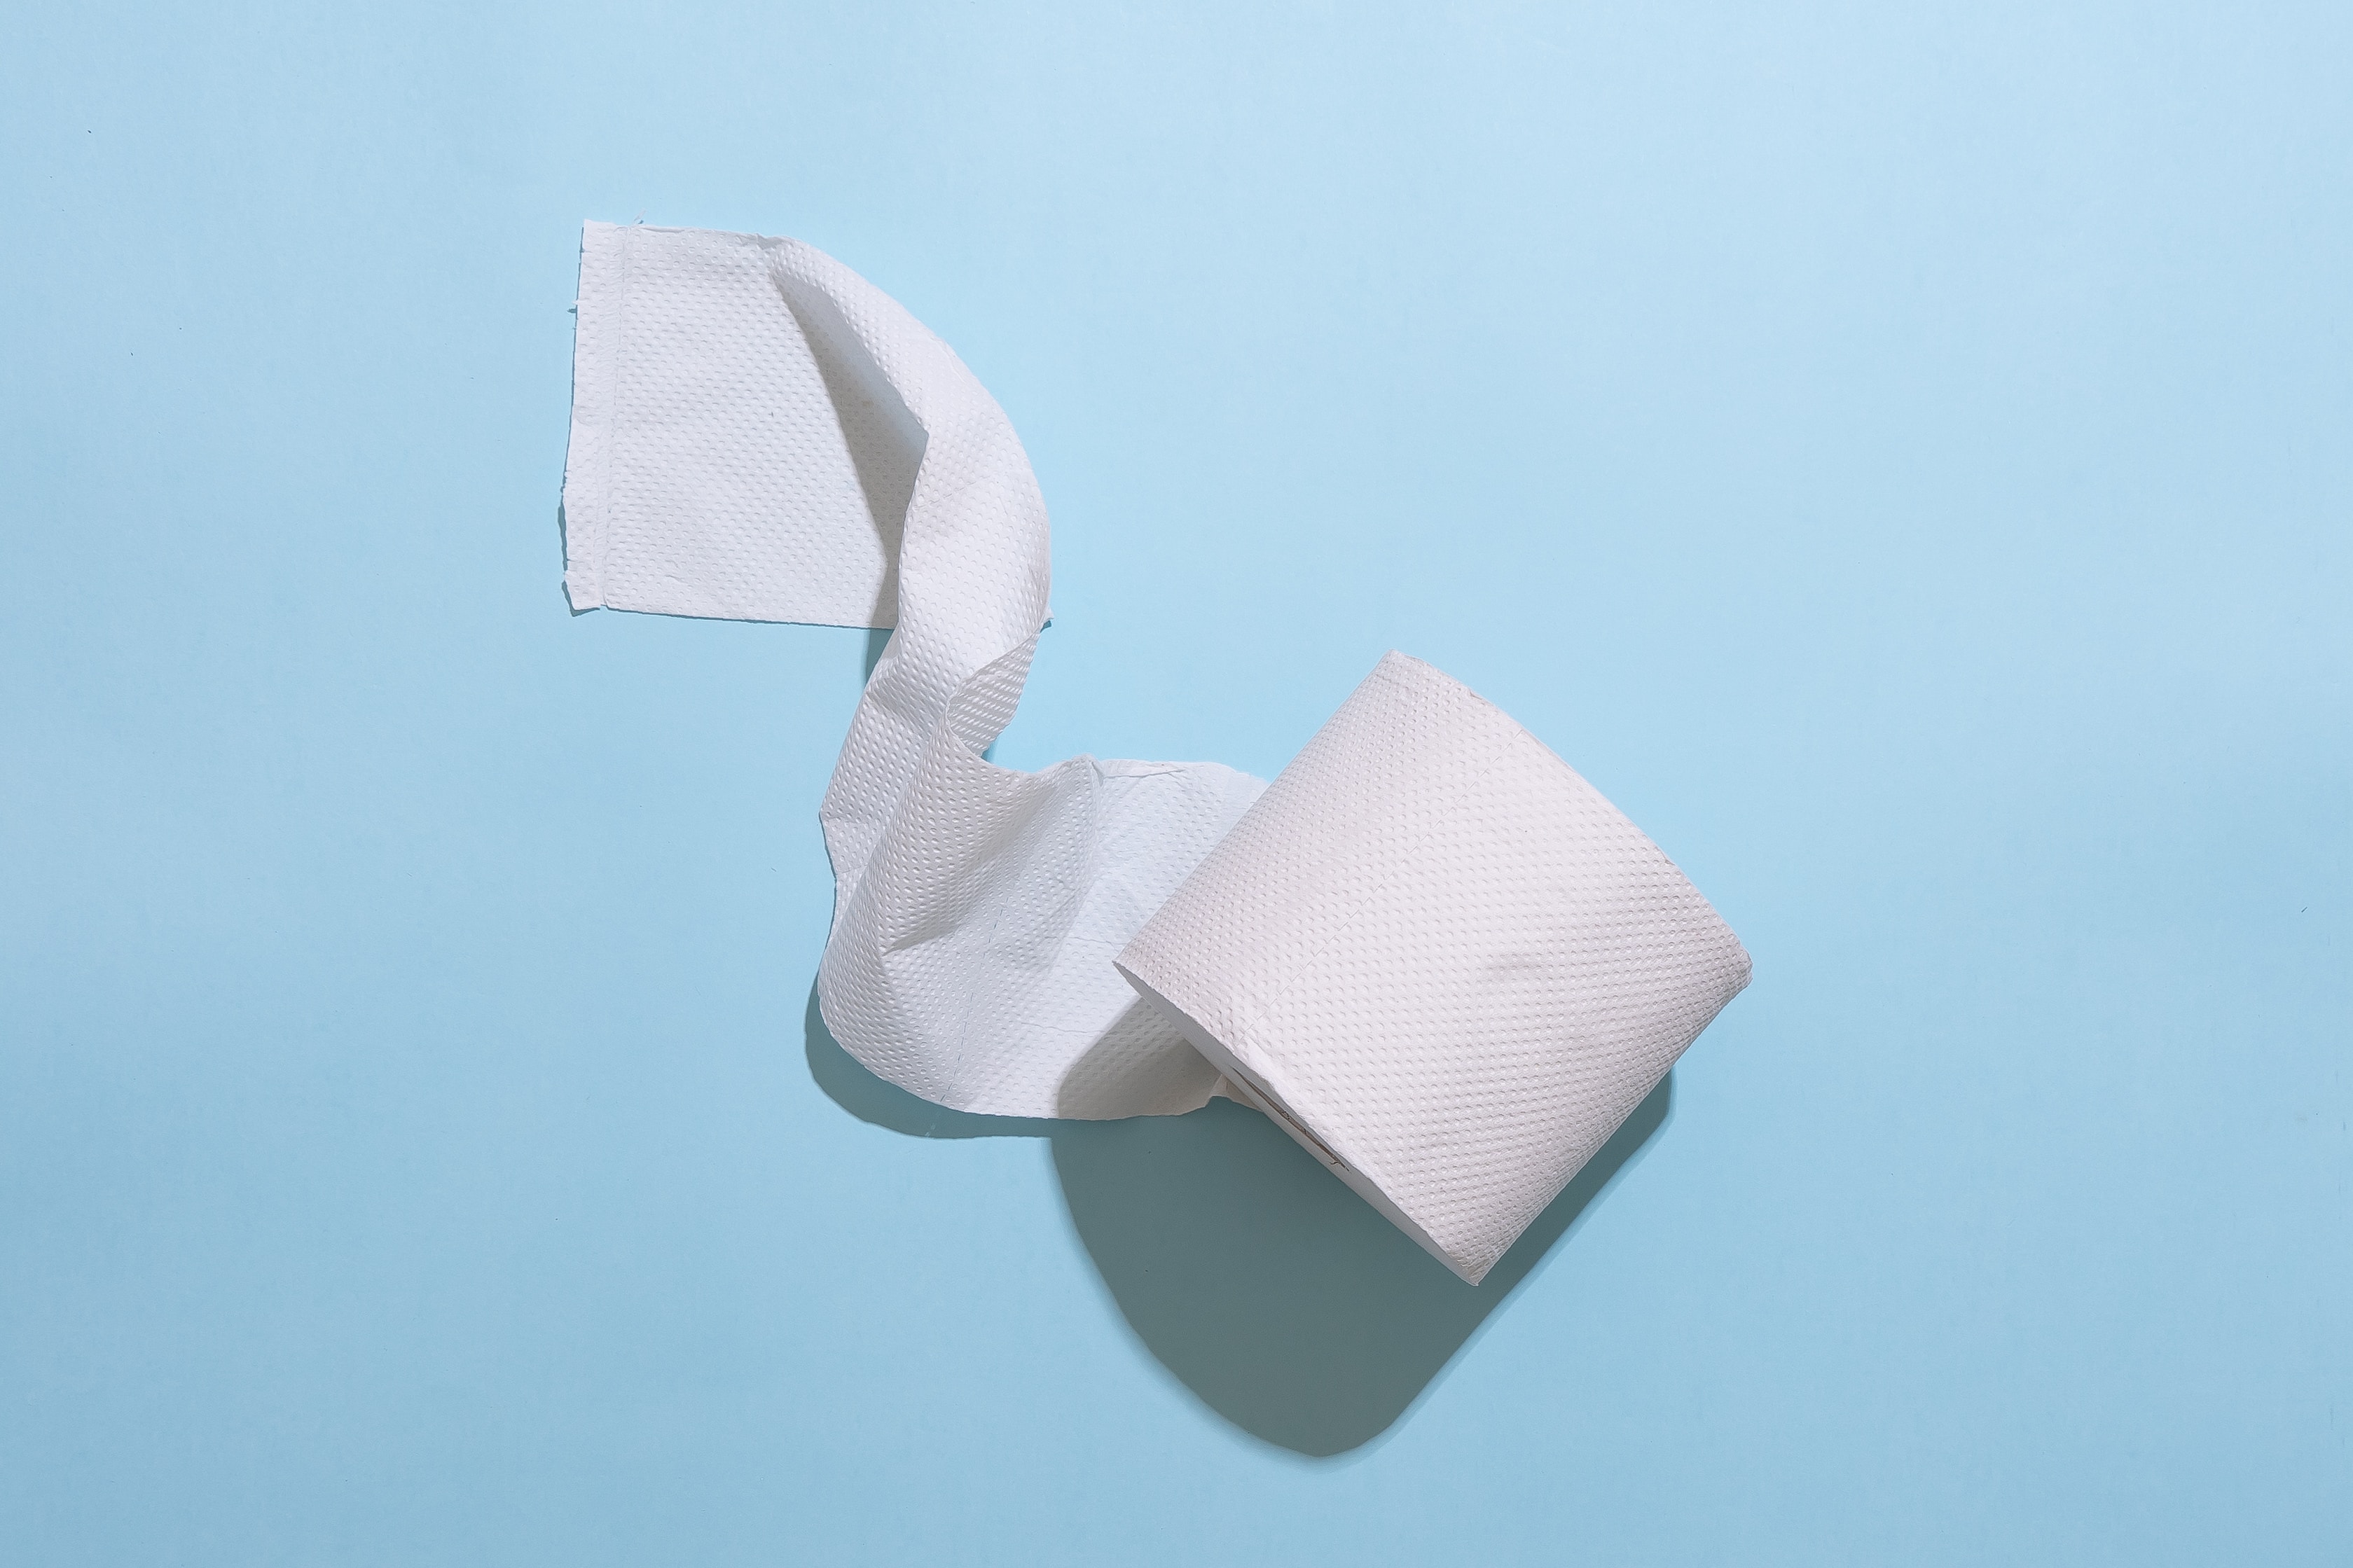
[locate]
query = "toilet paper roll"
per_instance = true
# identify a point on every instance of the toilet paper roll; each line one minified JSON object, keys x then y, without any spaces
{"x":1440,"y":960}
{"x":1431,"y":952}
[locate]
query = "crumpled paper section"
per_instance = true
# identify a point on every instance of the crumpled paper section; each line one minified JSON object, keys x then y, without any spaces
{"x":747,"y":414}
{"x":1431,"y":952}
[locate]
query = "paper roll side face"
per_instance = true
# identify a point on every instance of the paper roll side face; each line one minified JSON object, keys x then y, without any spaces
{"x":1451,"y":960}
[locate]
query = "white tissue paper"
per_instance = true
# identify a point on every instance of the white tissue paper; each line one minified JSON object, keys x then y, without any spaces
{"x":1439,"y":960}
{"x":1431,"y":952}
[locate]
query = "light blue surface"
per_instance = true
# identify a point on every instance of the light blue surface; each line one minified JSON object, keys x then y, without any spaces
{"x":1901,"y":455}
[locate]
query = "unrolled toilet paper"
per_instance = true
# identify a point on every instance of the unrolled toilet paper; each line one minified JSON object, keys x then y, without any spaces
{"x":1431,"y":952}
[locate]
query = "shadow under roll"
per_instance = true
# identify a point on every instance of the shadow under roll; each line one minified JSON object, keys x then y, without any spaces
{"x":1279,"y":1298}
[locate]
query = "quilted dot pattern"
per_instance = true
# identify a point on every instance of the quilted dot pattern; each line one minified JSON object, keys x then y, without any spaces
{"x":1442,"y":959}
{"x":725,"y":462}
{"x":759,"y":433}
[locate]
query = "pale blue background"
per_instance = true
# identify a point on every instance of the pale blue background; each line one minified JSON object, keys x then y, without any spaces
{"x":1900,"y":454}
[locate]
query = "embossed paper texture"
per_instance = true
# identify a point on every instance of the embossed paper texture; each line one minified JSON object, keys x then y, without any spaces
{"x":1452,"y":967}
